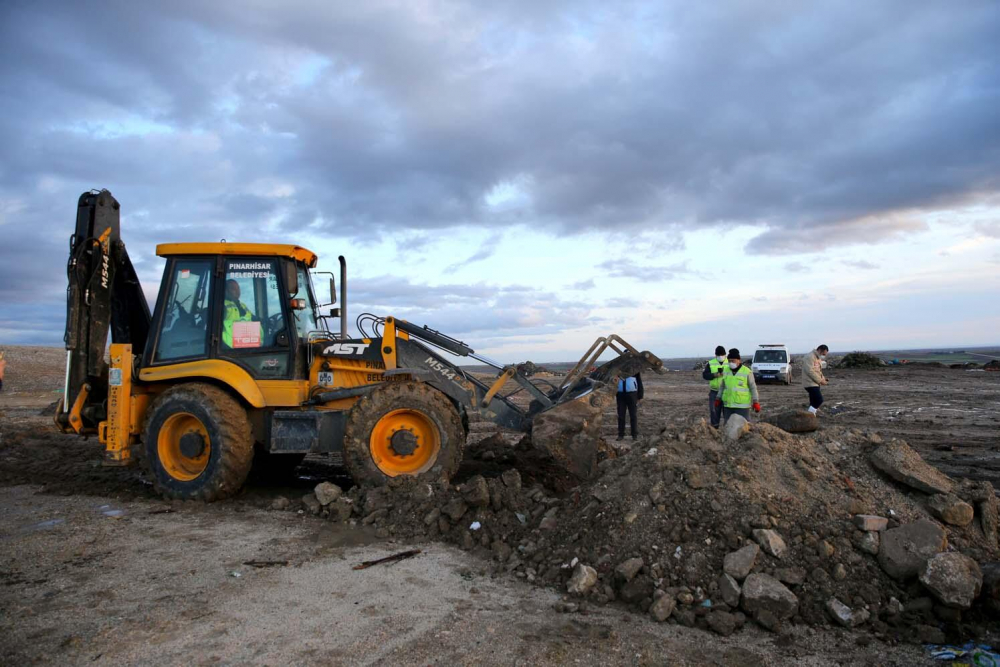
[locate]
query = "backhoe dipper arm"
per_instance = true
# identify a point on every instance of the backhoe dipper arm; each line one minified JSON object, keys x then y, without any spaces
{"x":103,"y":292}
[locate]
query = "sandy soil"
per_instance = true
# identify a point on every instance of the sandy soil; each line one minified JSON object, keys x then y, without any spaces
{"x":94,"y":569}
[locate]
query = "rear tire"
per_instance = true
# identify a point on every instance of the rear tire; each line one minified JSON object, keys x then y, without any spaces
{"x":197,"y":443}
{"x":406,"y":429}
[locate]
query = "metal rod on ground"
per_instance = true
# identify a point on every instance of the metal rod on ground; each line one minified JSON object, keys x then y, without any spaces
{"x":388,"y":559}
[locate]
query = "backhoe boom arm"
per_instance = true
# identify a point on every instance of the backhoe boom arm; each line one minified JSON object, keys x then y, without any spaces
{"x":103,"y":293}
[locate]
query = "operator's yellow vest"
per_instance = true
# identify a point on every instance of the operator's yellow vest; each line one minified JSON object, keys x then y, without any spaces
{"x":736,"y":388}
{"x":715,"y":366}
{"x":232,"y":314}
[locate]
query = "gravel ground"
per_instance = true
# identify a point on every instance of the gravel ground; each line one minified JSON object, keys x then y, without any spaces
{"x":83,"y":584}
{"x":91,"y":580}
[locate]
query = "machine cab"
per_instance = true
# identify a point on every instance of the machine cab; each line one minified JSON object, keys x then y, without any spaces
{"x":246,"y":303}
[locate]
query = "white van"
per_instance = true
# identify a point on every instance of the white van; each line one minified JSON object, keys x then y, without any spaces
{"x":772,"y":362}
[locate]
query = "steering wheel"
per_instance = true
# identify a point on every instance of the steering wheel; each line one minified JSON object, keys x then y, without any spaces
{"x":274,"y":324}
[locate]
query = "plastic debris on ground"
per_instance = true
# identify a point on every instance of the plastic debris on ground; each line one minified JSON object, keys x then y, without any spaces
{"x":968,"y":654}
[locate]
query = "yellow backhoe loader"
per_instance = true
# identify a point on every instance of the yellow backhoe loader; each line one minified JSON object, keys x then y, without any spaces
{"x":235,"y":368}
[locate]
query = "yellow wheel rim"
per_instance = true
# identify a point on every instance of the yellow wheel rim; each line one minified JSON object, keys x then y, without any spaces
{"x":183,"y":446}
{"x":405,"y":442}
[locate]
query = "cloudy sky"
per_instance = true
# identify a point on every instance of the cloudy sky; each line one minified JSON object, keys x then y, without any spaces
{"x":529,"y":175}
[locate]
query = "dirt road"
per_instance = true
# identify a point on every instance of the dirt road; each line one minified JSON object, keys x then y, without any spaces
{"x":96,"y":570}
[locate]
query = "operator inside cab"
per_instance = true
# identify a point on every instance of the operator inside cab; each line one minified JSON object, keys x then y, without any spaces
{"x":235,"y":311}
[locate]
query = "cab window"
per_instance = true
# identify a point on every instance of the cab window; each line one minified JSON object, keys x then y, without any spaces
{"x":185,"y":316}
{"x":252,"y":316}
{"x":305,"y":319}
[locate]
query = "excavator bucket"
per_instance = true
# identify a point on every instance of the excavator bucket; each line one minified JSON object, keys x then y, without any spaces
{"x":569,"y":431}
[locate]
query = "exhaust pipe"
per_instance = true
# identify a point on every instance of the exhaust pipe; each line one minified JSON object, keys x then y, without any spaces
{"x":343,"y":297}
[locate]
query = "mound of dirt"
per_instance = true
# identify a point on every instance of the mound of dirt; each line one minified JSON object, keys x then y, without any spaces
{"x":774,"y":528}
{"x":529,"y":368}
{"x":860,"y":360}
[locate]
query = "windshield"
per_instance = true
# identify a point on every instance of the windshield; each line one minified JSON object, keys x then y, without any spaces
{"x":770,"y":357}
{"x":305,"y":319}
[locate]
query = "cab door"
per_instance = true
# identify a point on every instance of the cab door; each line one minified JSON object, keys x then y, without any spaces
{"x":252,"y":317}
{"x":183,"y":311}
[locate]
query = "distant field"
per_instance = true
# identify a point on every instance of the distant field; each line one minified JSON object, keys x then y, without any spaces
{"x":958,"y":355}
{"x":977,"y":355}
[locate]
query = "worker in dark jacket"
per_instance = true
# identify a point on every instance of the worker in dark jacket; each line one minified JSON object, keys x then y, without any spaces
{"x":713,"y":373}
{"x":629,"y":394}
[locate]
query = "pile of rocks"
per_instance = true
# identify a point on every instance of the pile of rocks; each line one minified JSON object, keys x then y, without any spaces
{"x":765,"y":526}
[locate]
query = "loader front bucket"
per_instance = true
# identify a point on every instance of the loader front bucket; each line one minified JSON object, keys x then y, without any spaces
{"x":569,"y":431}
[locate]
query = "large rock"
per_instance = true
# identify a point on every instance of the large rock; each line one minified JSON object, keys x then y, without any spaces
{"x":663,"y":607}
{"x":991,"y":586}
{"x":989,"y":515}
{"x":770,"y":541}
{"x":904,"y":550}
{"x":476,"y":492}
{"x":735,"y":428}
{"x":868,"y":542}
{"x":953,"y":578}
{"x":636,"y":590}
{"x":767,"y":600}
{"x":570,"y":434}
{"x":729,"y":590}
{"x":738,"y":564}
{"x":627,"y":570}
{"x":794,"y":421}
{"x":897,"y":460}
{"x":793,"y":576}
{"x":311,"y":504}
{"x":326,"y":493}
{"x":951,"y":509}
{"x":844,"y":615}
{"x":584,"y":578}
{"x":870,"y":522}
{"x":455,"y":508}
{"x":722,"y":622}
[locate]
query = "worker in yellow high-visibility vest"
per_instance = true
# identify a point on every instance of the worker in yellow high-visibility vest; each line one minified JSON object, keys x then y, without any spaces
{"x":738,"y":389}
{"x":713,"y":373}
{"x":233,"y":311}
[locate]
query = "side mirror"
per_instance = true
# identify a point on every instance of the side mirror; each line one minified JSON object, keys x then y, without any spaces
{"x":333,"y":290}
{"x":292,"y":277}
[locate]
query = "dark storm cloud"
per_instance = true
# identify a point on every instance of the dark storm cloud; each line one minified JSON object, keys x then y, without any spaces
{"x":823,"y":124}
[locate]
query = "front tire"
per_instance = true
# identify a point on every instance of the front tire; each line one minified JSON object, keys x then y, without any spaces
{"x":404,"y":429}
{"x":197,"y":443}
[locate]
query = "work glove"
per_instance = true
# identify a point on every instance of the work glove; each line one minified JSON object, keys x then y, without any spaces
{"x":756,"y":407}
{"x":718,"y":403}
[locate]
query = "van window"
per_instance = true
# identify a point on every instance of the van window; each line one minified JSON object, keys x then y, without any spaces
{"x":770,"y":357}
